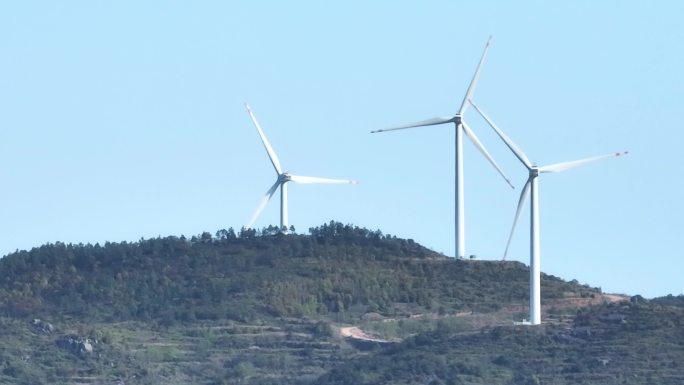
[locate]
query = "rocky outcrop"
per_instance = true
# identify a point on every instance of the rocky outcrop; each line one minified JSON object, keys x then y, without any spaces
{"x":76,"y":345}
{"x":42,"y":326}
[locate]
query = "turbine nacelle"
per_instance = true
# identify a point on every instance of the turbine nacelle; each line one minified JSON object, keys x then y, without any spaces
{"x":284,"y":178}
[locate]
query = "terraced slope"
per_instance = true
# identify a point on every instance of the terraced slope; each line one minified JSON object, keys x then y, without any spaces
{"x":246,"y":308}
{"x":618,"y":343}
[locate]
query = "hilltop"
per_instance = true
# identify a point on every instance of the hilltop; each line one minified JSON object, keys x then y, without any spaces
{"x":266,"y":308}
{"x":336,"y":270}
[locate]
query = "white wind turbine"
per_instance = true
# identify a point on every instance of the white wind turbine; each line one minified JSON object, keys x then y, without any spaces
{"x":460,"y":126}
{"x":283,"y":178}
{"x":532,"y":188}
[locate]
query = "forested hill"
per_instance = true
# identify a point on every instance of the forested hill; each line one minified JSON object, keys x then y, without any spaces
{"x":336,"y":270}
{"x":338,"y":305}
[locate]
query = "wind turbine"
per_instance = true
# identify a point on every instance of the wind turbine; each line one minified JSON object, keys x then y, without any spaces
{"x":532,"y":188}
{"x":283,"y":178}
{"x":461,"y":127}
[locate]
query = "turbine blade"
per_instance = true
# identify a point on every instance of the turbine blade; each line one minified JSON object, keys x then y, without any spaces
{"x":473,"y":82}
{"x":521,"y":204}
{"x":514,"y":147}
{"x":264,"y":201}
{"x":312,"y":179}
{"x":428,"y":122}
{"x":470,"y":134}
{"x":558,"y":167}
{"x":271,"y":154}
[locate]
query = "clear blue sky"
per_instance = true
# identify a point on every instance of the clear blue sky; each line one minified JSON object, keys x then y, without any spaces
{"x":121,"y":120}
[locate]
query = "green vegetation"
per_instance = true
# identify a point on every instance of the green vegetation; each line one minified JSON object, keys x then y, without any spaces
{"x":338,"y":271}
{"x":620,"y":343}
{"x":260,"y":307}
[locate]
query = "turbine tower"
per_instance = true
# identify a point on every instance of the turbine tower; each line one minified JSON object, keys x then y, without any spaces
{"x":283,"y":178}
{"x":532,"y":188}
{"x":461,"y":127}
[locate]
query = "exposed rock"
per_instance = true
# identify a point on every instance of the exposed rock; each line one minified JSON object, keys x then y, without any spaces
{"x":86,"y":346}
{"x":42,"y":326}
{"x":76,"y":345}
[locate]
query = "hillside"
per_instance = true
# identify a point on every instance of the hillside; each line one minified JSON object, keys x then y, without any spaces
{"x":620,"y":343}
{"x":338,"y":271}
{"x":264,"y":308}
